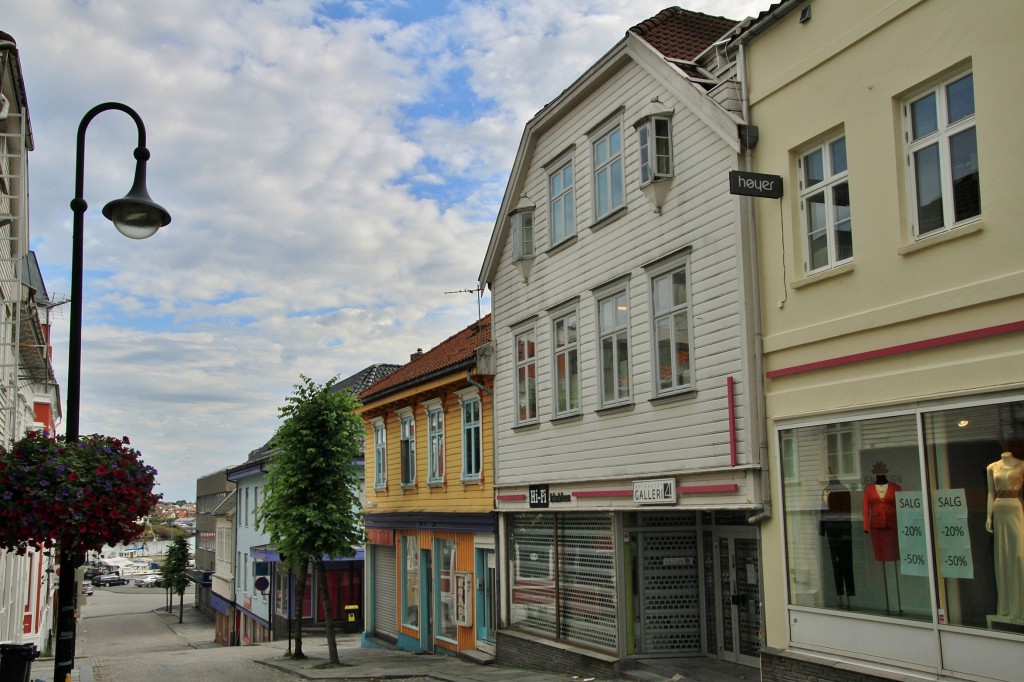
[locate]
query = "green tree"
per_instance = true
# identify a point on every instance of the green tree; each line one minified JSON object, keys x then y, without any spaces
{"x":311,"y":511}
{"x":174,"y":572}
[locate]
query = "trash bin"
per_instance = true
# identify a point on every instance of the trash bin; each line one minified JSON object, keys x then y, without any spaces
{"x":351,"y":624}
{"x":16,"y":661}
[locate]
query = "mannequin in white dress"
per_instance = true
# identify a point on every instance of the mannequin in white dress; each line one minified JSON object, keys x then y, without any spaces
{"x":1005,"y":520}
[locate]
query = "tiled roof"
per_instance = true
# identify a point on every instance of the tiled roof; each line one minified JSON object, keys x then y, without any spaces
{"x":360,"y":381}
{"x":450,"y":353}
{"x":681,"y":34}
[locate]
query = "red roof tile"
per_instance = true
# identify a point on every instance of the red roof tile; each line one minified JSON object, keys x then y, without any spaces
{"x":681,"y":34}
{"x":449,"y":353}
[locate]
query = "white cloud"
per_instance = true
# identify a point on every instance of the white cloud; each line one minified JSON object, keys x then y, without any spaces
{"x":329,"y":180}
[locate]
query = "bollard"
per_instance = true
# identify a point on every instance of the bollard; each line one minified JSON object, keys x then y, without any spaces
{"x":16,"y":661}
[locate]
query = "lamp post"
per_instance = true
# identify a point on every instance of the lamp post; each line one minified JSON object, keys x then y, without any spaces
{"x":135,"y":216}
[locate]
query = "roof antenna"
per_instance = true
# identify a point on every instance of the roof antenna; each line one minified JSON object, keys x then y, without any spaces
{"x":478,"y":290}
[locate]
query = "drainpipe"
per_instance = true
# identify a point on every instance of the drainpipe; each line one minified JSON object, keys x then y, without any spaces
{"x":758,"y":379}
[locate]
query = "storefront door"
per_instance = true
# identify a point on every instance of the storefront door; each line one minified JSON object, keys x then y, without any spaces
{"x":669,"y":593}
{"x":427,"y":601}
{"x":486,"y":595}
{"x":738,"y":594}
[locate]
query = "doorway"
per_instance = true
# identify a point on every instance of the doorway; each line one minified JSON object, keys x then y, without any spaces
{"x":486,"y":600}
{"x":427,"y":601}
{"x":737,"y":594}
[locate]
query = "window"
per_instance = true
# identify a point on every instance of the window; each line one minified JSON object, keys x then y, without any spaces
{"x":526,"y":377}
{"x":410,"y":581}
{"x":609,"y":186}
{"x":942,"y":155}
{"x":839,"y":450}
{"x":567,"y":364}
{"x":560,"y":189}
{"x":825,"y":205}
{"x":407,"y":424}
{"x":655,"y":137}
{"x":613,"y":328}
{"x":672,"y":330}
{"x":472,"y":441}
{"x":446,"y":627}
{"x":522,"y":234}
{"x":380,"y":456}
{"x":435,"y":436}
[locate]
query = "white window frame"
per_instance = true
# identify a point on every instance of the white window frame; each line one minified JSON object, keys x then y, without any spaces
{"x":671,"y":313}
{"x":380,"y":455}
{"x":472,"y":434}
{"x":435,"y":441}
{"x":613,"y":313}
{"x":565,"y":351}
{"x":656,"y":160}
{"x":834,"y":462}
{"x":606,"y":178}
{"x":830,"y":187}
{"x":562,"y":201}
{"x":941,"y":138}
{"x":525,"y":376}
{"x":522,"y":234}
{"x":407,"y":445}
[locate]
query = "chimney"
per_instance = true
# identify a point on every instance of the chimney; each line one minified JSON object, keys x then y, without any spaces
{"x":417,"y":354}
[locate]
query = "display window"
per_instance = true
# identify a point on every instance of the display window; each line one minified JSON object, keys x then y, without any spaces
{"x":916,"y":516}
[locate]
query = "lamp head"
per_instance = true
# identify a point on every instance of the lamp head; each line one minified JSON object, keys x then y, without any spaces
{"x":136,"y":216}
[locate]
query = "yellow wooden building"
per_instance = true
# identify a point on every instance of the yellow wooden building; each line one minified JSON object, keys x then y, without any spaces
{"x":430,"y":578}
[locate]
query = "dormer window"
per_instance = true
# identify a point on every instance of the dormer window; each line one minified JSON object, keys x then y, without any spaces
{"x":655,"y":137}
{"x":522,"y":234}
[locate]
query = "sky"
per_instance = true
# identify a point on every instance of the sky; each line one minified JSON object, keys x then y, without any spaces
{"x":333,"y":171}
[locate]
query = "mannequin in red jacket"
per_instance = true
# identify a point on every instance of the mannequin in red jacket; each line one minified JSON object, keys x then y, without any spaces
{"x":880,"y":514}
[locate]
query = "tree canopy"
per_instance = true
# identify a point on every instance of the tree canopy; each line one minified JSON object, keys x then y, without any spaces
{"x":311,"y":509}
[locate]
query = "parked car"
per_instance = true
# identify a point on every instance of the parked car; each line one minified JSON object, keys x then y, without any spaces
{"x":149,"y":581}
{"x":88,"y":589}
{"x":109,"y":579}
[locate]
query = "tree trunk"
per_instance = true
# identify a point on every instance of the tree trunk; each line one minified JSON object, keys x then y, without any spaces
{"x":300,"y":593}
{"x":325,"y":599}
{"x":181,"y":606}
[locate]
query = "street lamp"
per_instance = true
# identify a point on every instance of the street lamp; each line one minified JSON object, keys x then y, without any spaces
{"x":136,"y":216}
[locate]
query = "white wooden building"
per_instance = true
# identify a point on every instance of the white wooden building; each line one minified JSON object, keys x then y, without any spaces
{"x":628,"y":453}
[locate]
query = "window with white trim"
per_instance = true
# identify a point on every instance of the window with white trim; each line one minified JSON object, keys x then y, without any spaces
{"x":565,"y":336}
{"x":654,"y":135}
{"x":942,"y":156}
{"x":435,"y":440}
{"x":380,"y":455}
{"x":407,"y":425}
{"x":410,"y":581}
{"x":563,"y":211}
{"x":609,"y":180}
{"x":526,"y":377}
{"x":825,"y":205}
{"x":672,"y":351}
{"x":522,"y":235}
{"x":613,"y":332}
{"x":840,"y":450}
{"x":472,"y":437}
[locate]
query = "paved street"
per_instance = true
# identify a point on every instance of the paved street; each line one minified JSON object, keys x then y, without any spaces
{"x":126,"y":635}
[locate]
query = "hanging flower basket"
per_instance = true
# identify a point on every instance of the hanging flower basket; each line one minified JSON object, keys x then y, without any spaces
{"x":79,"y":495}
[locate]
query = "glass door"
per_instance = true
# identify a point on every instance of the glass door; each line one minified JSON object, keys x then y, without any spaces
{"x":737,"y":564}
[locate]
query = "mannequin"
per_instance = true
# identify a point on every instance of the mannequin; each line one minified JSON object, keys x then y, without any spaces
{"x":880,"y":521}
{"x":1005,"y":520}
{"x":837,"y":528}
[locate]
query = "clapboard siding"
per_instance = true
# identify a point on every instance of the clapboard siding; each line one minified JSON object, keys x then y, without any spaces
{"x":698,"y":219}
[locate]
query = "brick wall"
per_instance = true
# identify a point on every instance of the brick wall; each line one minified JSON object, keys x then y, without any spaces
{"x":525,"y":653}
{"x":782,"y":668}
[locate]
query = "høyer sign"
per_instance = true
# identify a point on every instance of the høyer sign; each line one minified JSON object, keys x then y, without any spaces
{"x":755,"y":184}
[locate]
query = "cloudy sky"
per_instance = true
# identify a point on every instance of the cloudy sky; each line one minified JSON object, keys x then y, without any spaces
{"x":333,"y":170}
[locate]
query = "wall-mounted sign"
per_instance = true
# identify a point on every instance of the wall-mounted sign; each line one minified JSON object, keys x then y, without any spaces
{"x":660,"y":491}
{"x":538,"y":497}
{"x":463,"y":590}
{"x":755,"y":184}
{"x":380,"y":536}
{"x":262,"y":583}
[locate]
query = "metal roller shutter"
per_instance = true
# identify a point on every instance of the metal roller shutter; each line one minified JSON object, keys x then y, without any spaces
{"x":385,"y":602}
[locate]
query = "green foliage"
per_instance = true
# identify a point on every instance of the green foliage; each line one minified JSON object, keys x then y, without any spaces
{"x":312,"y":493}
{"x":174,"y":570}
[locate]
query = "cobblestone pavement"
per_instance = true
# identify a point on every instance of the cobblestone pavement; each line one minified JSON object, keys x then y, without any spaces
{"x":127,"y":635}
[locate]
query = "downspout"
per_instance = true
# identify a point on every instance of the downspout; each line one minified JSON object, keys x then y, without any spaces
{"x":755,"y":278}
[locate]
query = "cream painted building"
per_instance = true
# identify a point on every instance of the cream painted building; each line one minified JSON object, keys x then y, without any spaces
{"x":892,"y":282}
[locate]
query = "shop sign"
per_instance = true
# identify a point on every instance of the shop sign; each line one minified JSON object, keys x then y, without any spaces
{"x":380,"y":536}
{"x":538,"y":497}
{"x":755,"y":184}
{"x":660,"y":491}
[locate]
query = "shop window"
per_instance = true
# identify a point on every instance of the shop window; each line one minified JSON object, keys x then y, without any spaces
{"x":879,"y":542}
{"x":446,"y":626}
{"x":410,"y":582}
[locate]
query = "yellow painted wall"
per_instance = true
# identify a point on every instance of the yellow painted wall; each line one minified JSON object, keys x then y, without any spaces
{"x":848,"y":69}
{"x":455,"y":495}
